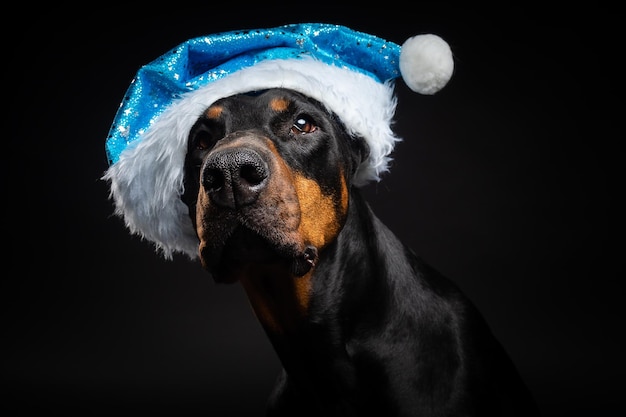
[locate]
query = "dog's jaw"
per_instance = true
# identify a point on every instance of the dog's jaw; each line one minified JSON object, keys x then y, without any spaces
{"x":245,"y":252}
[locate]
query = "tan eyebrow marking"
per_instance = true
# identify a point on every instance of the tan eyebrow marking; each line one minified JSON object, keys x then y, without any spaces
{"x":279,"y":104}
{"x":214,"y":112}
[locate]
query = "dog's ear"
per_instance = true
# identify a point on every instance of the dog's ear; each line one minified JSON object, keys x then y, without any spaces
{"x":351,"y":144}
{"x":359,"y":152}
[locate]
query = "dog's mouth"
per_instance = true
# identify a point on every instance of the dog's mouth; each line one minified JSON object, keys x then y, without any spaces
{"x":245,"y":253}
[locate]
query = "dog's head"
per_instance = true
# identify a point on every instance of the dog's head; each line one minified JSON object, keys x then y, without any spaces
{"x":266,"y":181}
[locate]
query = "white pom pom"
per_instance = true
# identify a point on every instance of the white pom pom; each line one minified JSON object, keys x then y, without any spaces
{"x":426,"y":63}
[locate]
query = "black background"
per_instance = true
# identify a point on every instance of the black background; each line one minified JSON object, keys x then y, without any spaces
{"x":506,"y":181}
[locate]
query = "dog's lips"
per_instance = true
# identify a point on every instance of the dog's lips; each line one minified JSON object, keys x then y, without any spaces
{"x":244,"y":245}
{"x":245,"y":251}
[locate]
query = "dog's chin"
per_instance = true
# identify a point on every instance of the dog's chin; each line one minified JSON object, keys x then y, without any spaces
{"x":246,"y":254}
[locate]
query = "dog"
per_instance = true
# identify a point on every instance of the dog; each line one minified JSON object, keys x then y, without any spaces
{"x":361,"y":325}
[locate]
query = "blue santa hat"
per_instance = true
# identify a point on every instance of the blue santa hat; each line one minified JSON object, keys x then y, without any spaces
{"x":350,"y":72}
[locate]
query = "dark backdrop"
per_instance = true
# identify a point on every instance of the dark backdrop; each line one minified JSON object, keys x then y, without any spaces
{"x":506,"y":181}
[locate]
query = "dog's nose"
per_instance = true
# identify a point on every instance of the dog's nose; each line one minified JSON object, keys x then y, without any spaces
{"x":234,"y":177}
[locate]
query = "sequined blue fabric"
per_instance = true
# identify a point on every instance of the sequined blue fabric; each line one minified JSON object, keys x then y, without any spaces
{"x":199,"y":61}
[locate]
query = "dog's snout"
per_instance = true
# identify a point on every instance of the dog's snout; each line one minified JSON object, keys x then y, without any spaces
{"x":234,"y":177}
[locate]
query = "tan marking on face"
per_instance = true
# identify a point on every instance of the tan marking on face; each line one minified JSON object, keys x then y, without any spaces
{"x":214,"y":112}
{"x":279,"y":104}
{"x":344,"y":199}
{"x":281,"y":197}
{"x":319,"y":223}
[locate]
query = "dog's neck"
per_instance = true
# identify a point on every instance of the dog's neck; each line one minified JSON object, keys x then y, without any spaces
{"x":313,"y":320}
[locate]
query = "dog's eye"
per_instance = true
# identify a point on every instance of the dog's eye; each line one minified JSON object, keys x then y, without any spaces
{"x":303,"y":125}
{"x":203,"y":140}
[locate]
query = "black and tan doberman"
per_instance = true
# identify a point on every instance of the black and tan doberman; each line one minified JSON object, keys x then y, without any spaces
{"x":361,"y":325}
